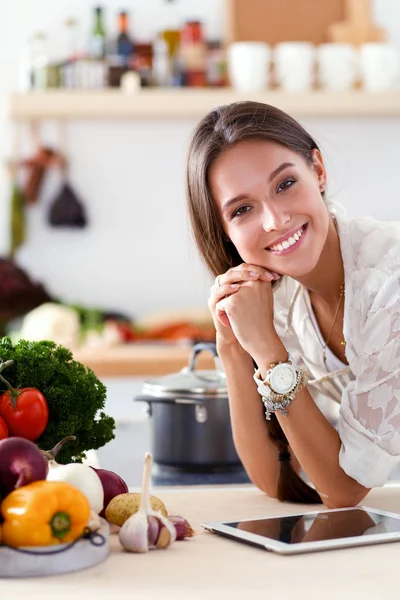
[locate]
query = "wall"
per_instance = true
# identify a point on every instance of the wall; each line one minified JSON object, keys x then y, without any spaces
{"x":137,"y":254}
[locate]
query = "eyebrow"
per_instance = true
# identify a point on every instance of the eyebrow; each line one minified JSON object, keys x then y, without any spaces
{"x":272,"y":176}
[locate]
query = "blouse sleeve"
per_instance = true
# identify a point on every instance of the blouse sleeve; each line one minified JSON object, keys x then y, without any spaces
{"x":369,"y":424}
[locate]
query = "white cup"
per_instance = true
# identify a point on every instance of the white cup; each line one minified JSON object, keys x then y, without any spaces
{"x":379,"y":66}
{"x":249,"y":65}
{"x":294,"y":66}
{"x":337,"y":66}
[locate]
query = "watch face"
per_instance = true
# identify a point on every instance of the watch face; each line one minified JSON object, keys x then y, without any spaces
{"x":283,"y":378}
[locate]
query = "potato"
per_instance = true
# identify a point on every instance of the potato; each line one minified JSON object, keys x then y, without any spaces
{"x":124,"y":506}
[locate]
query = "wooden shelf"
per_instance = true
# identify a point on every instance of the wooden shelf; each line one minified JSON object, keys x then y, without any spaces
{"x":141,"y":360}
{"x":194,"y":102}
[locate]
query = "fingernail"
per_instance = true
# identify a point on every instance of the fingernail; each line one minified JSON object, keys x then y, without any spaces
{"x":234,"y":286}
{"x":269,"y":276}
{"x":253,"y":273}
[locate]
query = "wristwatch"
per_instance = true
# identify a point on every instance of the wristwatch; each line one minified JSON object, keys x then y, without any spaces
{"x":280,"y":386}
{"x":281,"y":379}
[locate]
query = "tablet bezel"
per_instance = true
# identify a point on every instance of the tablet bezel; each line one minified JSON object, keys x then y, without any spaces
{"x":221,"y":528}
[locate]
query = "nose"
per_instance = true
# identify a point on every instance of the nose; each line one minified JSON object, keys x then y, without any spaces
{"x":274,"y":218}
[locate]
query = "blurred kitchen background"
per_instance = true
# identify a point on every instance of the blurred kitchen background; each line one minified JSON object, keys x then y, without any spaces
{"x":97,"y":105}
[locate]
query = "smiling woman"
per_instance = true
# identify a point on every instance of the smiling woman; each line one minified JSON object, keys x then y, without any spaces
{"x":306,"y":295}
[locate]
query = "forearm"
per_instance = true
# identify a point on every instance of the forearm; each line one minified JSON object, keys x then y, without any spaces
{"x":257,"y":452}
{"x":317,"y":444}
{"x":313,"y":440}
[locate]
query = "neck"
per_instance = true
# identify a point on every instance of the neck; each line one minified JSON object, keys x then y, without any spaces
{"x":327,"y":278}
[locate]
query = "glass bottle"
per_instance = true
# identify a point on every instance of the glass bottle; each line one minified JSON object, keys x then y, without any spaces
{"x":98,"y":38}
{"x":124,"y":42}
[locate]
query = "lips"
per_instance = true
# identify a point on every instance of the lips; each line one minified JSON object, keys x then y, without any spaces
{"x":288,"y":242}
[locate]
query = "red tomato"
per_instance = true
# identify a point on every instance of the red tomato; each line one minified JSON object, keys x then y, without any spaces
{"x":30,"y":417}
{"x":3,"y":429}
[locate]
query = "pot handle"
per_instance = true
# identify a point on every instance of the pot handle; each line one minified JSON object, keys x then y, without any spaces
{"x":201,"y":413}
{"x":197,"y":348}
{"x":155,"y":400}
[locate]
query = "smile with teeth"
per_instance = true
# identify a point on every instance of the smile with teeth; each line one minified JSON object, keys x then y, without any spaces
{"x":290,"y":241}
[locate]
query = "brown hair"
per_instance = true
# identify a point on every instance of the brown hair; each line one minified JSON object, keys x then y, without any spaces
{"x":221,"y":129}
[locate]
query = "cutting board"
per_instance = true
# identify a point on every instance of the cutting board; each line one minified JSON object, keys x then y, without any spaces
{"x":275,"y":21}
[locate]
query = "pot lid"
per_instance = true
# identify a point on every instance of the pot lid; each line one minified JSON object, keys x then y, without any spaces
{"x":190,"y":382}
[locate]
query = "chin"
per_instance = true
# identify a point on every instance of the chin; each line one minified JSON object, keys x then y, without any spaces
{"x":297,"y":269}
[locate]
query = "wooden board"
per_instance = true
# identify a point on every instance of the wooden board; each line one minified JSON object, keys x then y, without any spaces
{"x":275,"y":21}
{"x":358,"y":27}
{"x":141,"y":360}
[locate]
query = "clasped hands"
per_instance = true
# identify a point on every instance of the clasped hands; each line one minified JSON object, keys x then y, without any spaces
{"x":241,"y":303}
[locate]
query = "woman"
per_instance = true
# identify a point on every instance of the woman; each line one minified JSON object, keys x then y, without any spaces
{"x":308,"y":296}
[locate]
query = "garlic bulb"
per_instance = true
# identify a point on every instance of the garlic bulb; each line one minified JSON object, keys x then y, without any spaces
{"x":146,"y":528}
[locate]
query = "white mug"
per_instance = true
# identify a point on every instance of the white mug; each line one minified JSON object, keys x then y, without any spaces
{"x":294,"y":66}
{"x":249,"y":66}
{"x":337,"y":66}
{"x":379,"y":66}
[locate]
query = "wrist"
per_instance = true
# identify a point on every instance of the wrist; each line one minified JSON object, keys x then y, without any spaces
{"x":230,"y":350}
{"x":272,"y":351}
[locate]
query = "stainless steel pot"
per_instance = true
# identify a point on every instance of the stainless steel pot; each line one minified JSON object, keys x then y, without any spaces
{"x":190,"y":416}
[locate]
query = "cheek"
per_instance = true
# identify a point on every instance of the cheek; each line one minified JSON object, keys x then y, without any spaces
{"x":246,"y":241}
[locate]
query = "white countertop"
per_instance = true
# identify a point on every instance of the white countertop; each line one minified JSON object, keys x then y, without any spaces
{"x":209,"y":566}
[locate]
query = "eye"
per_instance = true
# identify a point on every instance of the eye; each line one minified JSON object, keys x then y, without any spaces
{"x":242,"y":210}
{"x":286,"y":184}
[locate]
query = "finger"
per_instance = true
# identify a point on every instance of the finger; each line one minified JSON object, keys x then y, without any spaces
{"x":218,"y":293}
{"x":264,"y":273}
{"x":221,"y":314}
{"x":245,"y":273}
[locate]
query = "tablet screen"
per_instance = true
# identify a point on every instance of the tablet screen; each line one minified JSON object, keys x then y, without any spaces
{"x":327,"y":525}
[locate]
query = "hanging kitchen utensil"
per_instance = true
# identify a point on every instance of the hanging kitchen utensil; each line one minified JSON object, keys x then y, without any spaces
{"x":44,"y":157}
{"x":66,"y":210}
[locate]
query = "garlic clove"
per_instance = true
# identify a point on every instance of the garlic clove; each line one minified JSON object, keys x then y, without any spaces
{"x":164,"y":539}
{"x":183,"y":528}
{"x":166,"y":534}
{"x":153,"y":530}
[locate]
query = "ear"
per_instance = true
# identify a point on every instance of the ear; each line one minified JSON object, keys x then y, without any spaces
{"x":319,"y":169}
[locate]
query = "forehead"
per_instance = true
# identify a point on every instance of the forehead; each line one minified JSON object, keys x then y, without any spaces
{"x":248,"y":163}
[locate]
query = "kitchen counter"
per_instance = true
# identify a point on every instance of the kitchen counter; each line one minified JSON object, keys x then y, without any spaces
{"x":210,"y":566}
{"x":141,"y":359}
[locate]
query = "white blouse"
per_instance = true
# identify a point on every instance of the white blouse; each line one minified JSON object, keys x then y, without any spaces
{"x":368,"y":388}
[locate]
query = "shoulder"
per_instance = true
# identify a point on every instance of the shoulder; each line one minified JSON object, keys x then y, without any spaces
{"x":371,"y":259}
{"x":375,"y":244}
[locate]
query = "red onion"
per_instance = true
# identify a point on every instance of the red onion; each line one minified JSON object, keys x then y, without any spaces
{"x":113,"y":485}
{"x":21,"y":462}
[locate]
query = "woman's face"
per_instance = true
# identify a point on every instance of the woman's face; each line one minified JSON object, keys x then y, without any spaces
{"x":271,"y":207}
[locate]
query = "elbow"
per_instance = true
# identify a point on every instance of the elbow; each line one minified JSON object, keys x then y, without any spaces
{"x":269,"y":490}
{"x":349,"y":500}
{"x":266,"y":486}
{"x":339,"y":502}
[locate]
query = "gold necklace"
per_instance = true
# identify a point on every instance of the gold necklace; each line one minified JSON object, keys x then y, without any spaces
{"x":343,"y":342}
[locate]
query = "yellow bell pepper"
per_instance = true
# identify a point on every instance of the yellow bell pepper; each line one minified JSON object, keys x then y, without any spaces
{"x":44,"y":513}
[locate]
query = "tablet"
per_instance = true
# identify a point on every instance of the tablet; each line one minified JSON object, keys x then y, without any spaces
{"x":309,"y":532}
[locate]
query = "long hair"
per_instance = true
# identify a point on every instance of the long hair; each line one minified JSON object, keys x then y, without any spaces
{"x":221,"y":129}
